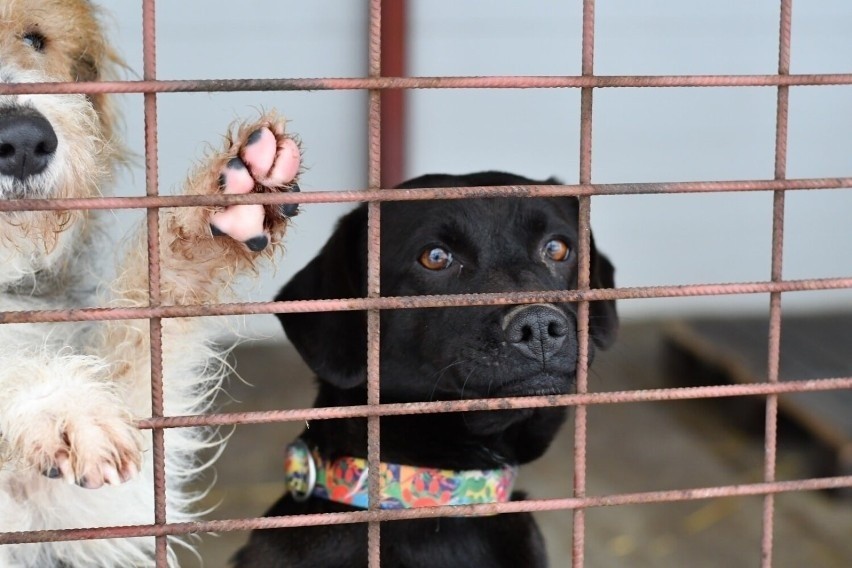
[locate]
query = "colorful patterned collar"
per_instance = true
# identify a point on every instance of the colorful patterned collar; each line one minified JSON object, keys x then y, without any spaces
{"x":344,"y":480}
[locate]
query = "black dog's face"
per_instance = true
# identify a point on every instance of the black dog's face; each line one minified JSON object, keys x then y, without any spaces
{"x":475,"y":246}
{"x":455,"y":247}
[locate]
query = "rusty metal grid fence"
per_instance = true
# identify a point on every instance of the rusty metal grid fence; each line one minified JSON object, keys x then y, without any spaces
{"x":375,"y":83}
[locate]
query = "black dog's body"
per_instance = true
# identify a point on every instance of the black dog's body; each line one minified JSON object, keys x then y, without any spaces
{"x":497,"y":245}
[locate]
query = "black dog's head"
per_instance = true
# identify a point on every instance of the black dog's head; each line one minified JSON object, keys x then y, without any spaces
{"x":455,"y":247}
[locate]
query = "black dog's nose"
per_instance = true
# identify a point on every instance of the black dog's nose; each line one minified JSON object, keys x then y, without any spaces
{"x":27,"y":144}
{"x":538,"y":331}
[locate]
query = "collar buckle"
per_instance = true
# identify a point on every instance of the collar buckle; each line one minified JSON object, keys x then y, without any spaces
{"x":300,"y":471}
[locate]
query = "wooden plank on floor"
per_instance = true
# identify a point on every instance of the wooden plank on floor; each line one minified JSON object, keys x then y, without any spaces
{"x":812,"y":347}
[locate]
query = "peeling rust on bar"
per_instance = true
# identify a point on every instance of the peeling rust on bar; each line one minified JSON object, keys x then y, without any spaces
{"x":374,"y":176}
{"x":774,"y":355}
{"x":383,"y":515}
{"x":381,"y":83}
{"x":450,"y":193}
{"x":578,"y":536}
{"x":153,"y":226}
{"x":511,"y":403}
{"x":416,"y":302}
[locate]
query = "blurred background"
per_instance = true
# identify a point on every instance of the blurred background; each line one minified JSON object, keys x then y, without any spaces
{"x":639,"y":135}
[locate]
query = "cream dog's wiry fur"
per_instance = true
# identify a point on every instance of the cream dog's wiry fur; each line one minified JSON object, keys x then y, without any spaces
{"x":70,"y":393}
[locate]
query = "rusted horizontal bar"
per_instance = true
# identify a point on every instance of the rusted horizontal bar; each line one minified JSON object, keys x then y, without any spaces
{"x":397,"y":409}
{"x":413,"y":302}
{"x":671,"y":496}
{"x":449,"y":193}
{"x":490,"y":82}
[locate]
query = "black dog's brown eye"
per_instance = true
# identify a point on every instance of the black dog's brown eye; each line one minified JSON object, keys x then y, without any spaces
{"x":556,"y":249}
{"x":35,"y":40}
{"x":436,"y":258}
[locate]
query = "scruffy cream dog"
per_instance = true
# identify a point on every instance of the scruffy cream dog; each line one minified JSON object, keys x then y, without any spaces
{"x":70,"y":393}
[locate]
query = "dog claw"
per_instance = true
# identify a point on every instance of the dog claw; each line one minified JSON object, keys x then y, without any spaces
{"x":291,"y":209}
{"x":257,"y":244}
{"x":128,"y":472}
{"x":254,"y":137}
{"x":110,"y":475}
{"x":63,"y":462}
{"x":236,"y":163}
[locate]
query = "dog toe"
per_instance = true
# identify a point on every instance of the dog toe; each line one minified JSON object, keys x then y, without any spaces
{"x":240,"y":222}
{"x":236,"y":178}
{"x":260,"y":151}
{"x":288,"y":160}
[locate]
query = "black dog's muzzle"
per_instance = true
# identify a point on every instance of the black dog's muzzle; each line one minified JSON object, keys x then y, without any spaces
{"x":538,"y":331}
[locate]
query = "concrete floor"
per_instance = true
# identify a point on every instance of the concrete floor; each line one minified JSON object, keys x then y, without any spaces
{"x":632,"y":447}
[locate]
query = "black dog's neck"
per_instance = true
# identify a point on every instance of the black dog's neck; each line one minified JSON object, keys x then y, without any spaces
{"x":443,"y":440}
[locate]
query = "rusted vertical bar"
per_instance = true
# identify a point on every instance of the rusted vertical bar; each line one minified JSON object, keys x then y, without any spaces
{"x":155,"y":326}
{"x":373,"y":287}
{"x":580,"y":418}
{"x":393,"y":64}
{"x":774,"y":351}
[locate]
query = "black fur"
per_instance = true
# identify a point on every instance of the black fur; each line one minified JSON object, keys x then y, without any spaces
{"x":439,"y":354}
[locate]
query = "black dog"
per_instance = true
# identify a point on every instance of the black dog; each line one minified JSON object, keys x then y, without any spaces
{"x":440,"y":247}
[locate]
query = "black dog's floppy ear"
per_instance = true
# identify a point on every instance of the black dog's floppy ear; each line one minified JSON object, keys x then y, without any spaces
{"x":333,"y":344}
{"x":603,"y":318}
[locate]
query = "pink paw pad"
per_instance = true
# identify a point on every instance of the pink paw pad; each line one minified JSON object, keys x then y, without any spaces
{"x":259,"y":152}
{"x":287,"y":165}
{"x":236,"y":178}
{"x":243,"y":223}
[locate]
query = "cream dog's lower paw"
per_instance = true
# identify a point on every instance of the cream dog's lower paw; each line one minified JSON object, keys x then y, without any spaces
{"x":103,"y":448}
